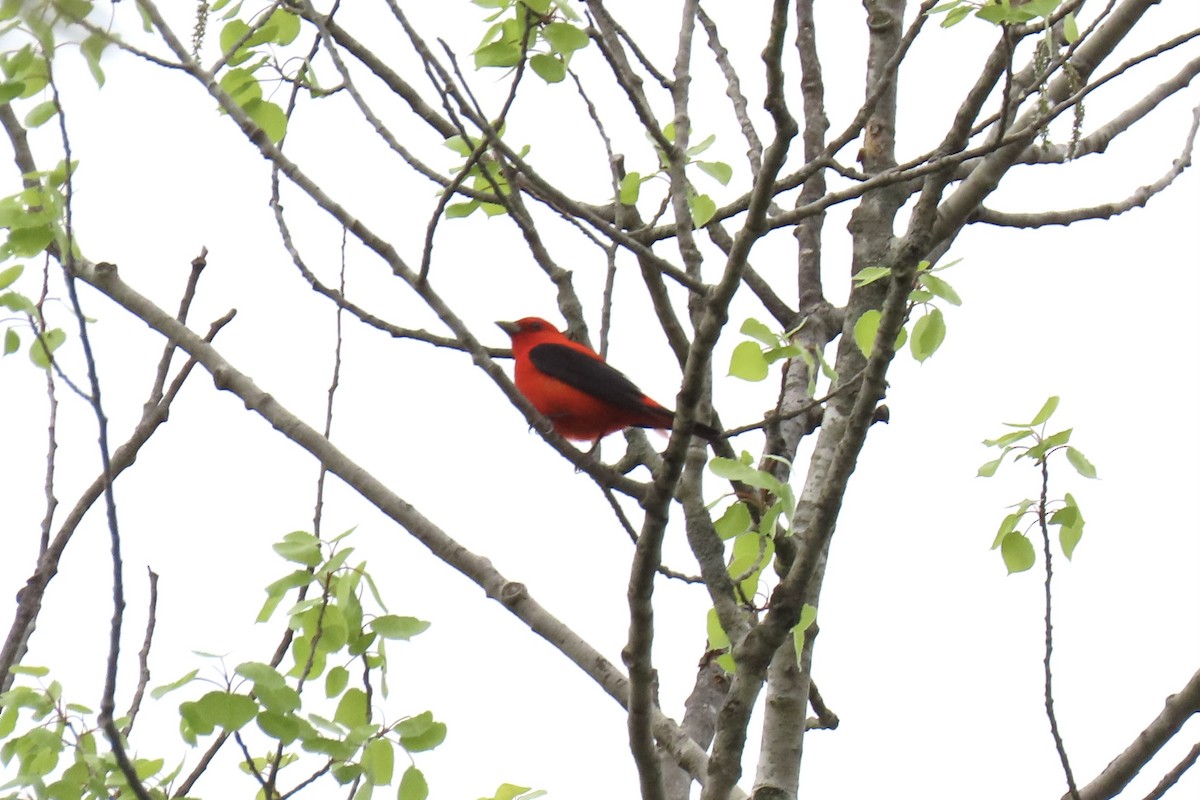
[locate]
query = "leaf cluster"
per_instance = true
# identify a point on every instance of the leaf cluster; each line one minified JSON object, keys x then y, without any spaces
{"x":58,"y":753}
{"x":701,"y":206}
{"x":544,"y":28}
{"x":929,"y":331}
{"x":247,"y":49}
{"x":1029,"y":440}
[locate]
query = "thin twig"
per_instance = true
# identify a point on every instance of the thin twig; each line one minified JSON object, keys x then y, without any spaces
{"x":1049,"y":694}
{"x":143,"y":655}
{"x":1172,"y":777}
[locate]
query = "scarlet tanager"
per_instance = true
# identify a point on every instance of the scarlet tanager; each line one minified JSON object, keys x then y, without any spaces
{"x":583,"y":397}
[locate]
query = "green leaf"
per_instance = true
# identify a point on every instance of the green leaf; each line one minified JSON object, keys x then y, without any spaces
{"x":241,"y":86}
{"x":41,"y":114}
{"x":549,"y":68}
{"x":11,"y":90}
{"x":379,"y":761}
{"x":30,"y":241}
{"x":1009,"y":523}
{"x":17,"y":302}
{"x":278,"y":699}
{"x":940,"y":288}
{"x":697,"y":149}
{"x":868,"y":275}
{"x":421,"y":732}
{"x":269,"y":117}
{"x":956,"y":16}
{"x":225,"y":710}
{"x":413,"y":785}
{"x":866,"y":328}
{"x":564,"y":37}
{"x":808,"y":615}
{"x":231,"y":33}
{"x":703,"y":209}
{"x":1046,"y":411}
{"x":159,"y":692}
{"x":989,"y":469}
{"x":41,"y":349}
{"x":284,"y":727}
{"x":748,"y":363}
{"x":352,"y":708}
{"x":1017,"y":551}
{"x":631,"y":186}
{"x":1070,"y":28}
{"x":10,"y":275}
{"x":91,"y":48}
{"x":754,"y":328}
{"x":498,"y":54}
{"x":459,"y":145}
{"x":391,"y":626}
{"x":1080,"y":463}
{"x":301,"y":547}
{"x":277,"y":590}
{"x":1070,"y":518}
{"x":336,"y":680}
{"x":719,"y":170}
{"x":263,"y":675}
{"x":12,"y":342}
{"x":458,"y":210}
{"x":717,"y":638}
{"x":736,"y":520}
{"x":1009,"y":438}
{"x":928,"y":334}
{"x":282,"y":29}
{"x":733,"y":470}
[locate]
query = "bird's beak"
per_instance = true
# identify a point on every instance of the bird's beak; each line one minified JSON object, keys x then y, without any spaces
{"x":511,"y":328}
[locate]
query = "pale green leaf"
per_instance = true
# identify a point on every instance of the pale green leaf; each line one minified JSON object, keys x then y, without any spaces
{"x":413,"y":785}
{"x":1017,"y":551}
{"x":41,"y":114}
{"x":703,"y":209}
{"x":10,"y":275}
{"x":748,"y":363}
{"x":928,"y":334}
{"x":941,"y":288}
{"x":719,"y":170}
{"x":564,"y":37}
{"x":391,"y":626}
{"x":631,"y":186}
{"x":1045,"y":412}
{"x":549,"y":68}
{"x":1070,"y":28}
{"x":754,"y":328}
{"x":868,"y":275}
{"x":379,"y":761}
{"x":866,"y":328}
{"x":1080,"y":463}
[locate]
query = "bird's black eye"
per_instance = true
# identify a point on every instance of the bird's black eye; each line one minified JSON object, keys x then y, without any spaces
{"x":535,"y":326}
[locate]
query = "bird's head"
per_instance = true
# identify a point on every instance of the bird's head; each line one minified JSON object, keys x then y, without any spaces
{"x":528,"y":328}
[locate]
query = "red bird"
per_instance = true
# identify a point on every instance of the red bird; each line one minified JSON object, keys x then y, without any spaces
{"x":582,"y":396}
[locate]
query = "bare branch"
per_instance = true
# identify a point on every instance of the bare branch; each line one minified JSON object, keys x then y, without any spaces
{"x":1122,"y":769}
{"x":143,"y":655}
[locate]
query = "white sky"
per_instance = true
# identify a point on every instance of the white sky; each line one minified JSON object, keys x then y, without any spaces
{"x":927,"y":652}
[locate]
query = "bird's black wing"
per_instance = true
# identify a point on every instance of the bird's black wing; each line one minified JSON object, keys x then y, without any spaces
{"x":588,"y":375}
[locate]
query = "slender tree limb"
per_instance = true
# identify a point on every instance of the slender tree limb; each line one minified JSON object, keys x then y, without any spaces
{"x":1059,"y":746}
{"x":1172,"y":777}
{"x":143,"y":655}
{"x":1138,"y":199}
{"x":1179,"y":707}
